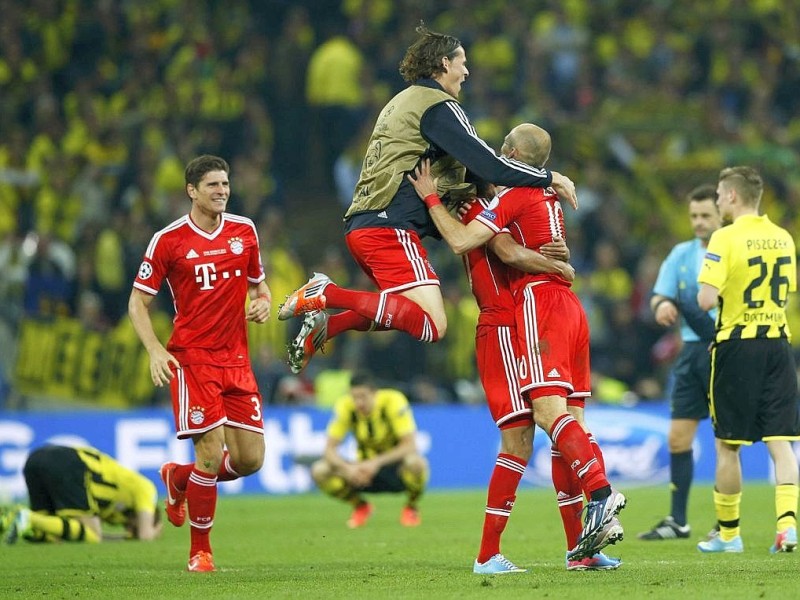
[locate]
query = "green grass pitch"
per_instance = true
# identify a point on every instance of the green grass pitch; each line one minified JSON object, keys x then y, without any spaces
{"x":299,"y":547}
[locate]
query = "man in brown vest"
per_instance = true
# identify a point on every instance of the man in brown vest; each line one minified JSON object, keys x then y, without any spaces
{"x":386,"y":220}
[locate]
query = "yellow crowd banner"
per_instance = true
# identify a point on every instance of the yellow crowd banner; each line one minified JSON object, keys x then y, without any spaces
{"x":63,"y":358}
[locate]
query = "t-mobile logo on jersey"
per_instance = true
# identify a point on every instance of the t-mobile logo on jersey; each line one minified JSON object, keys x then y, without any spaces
{"x":206,"y":274}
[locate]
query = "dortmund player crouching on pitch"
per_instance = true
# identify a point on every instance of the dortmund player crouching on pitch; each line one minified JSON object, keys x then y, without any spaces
{"x":388,"y":460}
{"x":74,"y":491}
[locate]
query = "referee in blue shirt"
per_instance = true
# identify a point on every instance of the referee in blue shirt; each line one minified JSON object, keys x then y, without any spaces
{"x":675,"y":299}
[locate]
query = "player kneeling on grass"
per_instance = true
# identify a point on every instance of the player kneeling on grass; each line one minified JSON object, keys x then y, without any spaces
{"x":383,"y":426}
{"x":74,"y":491}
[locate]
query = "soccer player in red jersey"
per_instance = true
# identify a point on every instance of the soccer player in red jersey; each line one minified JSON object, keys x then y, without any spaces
{"x":497,"y":365}
{"x":211,"y":263}
{"x":496,"y":354}
{"x":385,"y":222}
{"x":552,"y":332}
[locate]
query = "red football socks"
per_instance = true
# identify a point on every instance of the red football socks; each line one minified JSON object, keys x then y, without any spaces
{"x":201,"y":497}
{"x":348,"y":320}
{"x":598,"y":453}
{"x":569,"y":496}
{"x":502,"y":492}
{"x":226,"y":471}
{"x":389,"y":311}
{"x":573,"y":444}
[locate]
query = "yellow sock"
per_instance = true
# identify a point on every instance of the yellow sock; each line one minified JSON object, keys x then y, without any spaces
{"x":62,"y":528}
{"x":786,"y":505}
{"x":415,"y":484}
{"x":337,"y":487}
{"x":727,"y":506}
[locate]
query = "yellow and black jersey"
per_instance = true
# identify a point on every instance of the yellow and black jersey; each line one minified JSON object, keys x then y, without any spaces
{"x":66,"y":480}
{"x":752,"y":263}
{"x":115,"y":489}
{"x":390,"y":420}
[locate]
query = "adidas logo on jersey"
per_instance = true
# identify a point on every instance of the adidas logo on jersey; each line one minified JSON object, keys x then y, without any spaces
{"x":192,"y":254}
{"x":562,"y":496}
{"x":554,"y":373}
{"x":383,"y":215}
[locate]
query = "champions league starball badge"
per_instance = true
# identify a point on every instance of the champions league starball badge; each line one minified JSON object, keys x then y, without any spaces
{"x":145,"y":270}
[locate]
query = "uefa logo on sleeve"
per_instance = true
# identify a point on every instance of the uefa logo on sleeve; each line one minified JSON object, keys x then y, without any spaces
{"x":145,"y":270}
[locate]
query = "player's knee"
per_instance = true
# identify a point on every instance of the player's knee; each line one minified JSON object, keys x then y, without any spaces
{"x":679,"y":441}
{"x":547,"y":409}
{"x":321,"y":471}
{"x":249,"y":465}
{"x":577,"y":413}
{"x":545,"y":420}
{"x":516,"y":438}
{"x":678,"y":446}
{"x":415,"y":463}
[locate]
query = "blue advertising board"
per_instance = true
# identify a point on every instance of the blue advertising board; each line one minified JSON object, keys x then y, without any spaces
{"x":461,"y":443}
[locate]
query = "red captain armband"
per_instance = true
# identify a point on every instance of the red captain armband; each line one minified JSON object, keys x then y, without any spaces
{"x":432,"y":200}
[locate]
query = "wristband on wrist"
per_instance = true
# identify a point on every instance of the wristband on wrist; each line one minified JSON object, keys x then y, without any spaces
{"x":660,"y":302}
{"x":432,"y":200}
{"x":265,"y":297}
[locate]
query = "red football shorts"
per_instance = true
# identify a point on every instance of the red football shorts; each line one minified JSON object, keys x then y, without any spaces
{"x":394,"y":259}
{"x":553,"y":340}
{"x":207,"y":396}
{"x":497,"y":367}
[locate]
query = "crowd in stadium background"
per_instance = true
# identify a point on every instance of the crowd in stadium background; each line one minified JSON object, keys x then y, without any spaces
{"x":102,"y":102}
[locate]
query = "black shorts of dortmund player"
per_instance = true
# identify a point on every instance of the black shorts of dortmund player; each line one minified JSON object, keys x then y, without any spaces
{"x":56,"y":480}
{"x":692,"y":374}
{"x":754,"y":391}
{"x":387,"y":479}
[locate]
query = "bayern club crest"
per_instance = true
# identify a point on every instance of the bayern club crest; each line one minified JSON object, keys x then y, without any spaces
{"x":197,"y":415}
{"x":237,"y":247}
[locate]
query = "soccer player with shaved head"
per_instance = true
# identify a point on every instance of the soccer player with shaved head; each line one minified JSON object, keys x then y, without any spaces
{"x":385,"y":222}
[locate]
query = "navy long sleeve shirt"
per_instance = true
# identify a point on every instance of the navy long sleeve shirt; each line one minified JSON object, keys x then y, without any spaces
{"x":448,"y":130}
